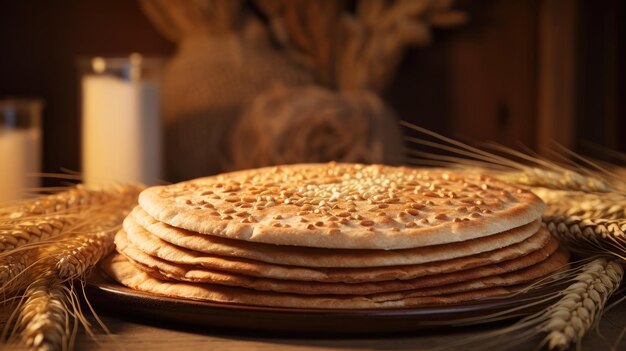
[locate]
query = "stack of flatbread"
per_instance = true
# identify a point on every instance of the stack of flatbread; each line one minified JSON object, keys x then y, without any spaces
{"x":340,"y":236}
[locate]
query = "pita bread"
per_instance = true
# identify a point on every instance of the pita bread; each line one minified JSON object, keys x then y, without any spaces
{"x":317,"y":257}
{"x":164,"y":270}
{"x":556,"y":262}
{"x":346,"y":206}
{"x":127,"y":274}
{"x":170,"y":253}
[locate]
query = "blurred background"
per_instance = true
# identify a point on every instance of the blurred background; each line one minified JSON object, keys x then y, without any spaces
{"x":250,"y":83}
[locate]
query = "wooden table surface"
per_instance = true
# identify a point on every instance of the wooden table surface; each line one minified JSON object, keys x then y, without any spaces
{"x":133,"y":333}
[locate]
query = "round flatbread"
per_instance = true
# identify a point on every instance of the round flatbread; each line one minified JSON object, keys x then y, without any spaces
{"x":153,"y":246}
{"x":165,"y":270}
{"x":558,"y":261}
{"x":127,"y":274}
{"x":319,"y":257}
{"x":344,"y":206}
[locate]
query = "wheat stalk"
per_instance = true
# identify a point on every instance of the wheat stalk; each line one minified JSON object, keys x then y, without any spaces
{"x":47,"y":241}
{"x":588,"y":235}
{"x":562,"y":179}
{"x":515,"y":167}
{"x":574,"y":310}
{"x":582,"y":304}
{"x":14,"y":270}
{"x":76,"y":255}
{"x":73,"y":200}
{"x":34,"y":230}
{"x":583,"y":204}
{"x":44,"y":316}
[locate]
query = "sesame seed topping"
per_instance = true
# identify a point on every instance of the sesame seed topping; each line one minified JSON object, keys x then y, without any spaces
{"x":412,"y":212}
{"x":356,"y":196}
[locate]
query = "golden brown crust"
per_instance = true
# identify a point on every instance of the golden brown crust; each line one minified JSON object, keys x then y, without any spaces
{"x":344,"y":206}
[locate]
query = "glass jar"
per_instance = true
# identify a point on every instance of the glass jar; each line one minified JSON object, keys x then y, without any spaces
{"x":20,"y":147}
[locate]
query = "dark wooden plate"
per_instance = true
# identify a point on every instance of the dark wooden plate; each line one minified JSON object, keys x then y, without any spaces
{"x":108,"y":295}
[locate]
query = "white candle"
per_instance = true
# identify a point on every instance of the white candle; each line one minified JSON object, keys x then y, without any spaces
{"x":121,"y":129}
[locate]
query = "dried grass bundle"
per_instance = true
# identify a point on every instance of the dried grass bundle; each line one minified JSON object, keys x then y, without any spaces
{"x":313,"y":124}
{"x":360,"y":49}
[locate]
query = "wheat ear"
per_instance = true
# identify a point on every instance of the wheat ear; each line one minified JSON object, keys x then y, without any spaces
{"x":50,"y":240}
{"x":589,"y":236}
{"x":583,"y":204}
{"x":515,"y":167}
{"x":34,"y":230}
{"x":77,"y":254}
{"x":582,"y":303}
{"x":44,"y":317}
{"x":75,"y":199}
{"x":14,"y":270}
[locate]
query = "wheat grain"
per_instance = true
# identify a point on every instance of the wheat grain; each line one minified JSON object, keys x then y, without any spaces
{"x":25,"y":233}
{"x":50,"y":240}
{"x":89,"y":242}
{"x":563,"y":179}
{"x":582,"y":303}
{"x":76,"y":255}
{"x":44,"y":318}
{"x":13,"y":270}
{"x":589,"y":236}
{"x":72,"y":200}
{"x":34,"y":230}
{"x":582,"y":204}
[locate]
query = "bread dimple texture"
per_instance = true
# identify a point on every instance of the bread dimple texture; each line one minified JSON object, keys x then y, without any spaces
{"x":344,"y":206}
